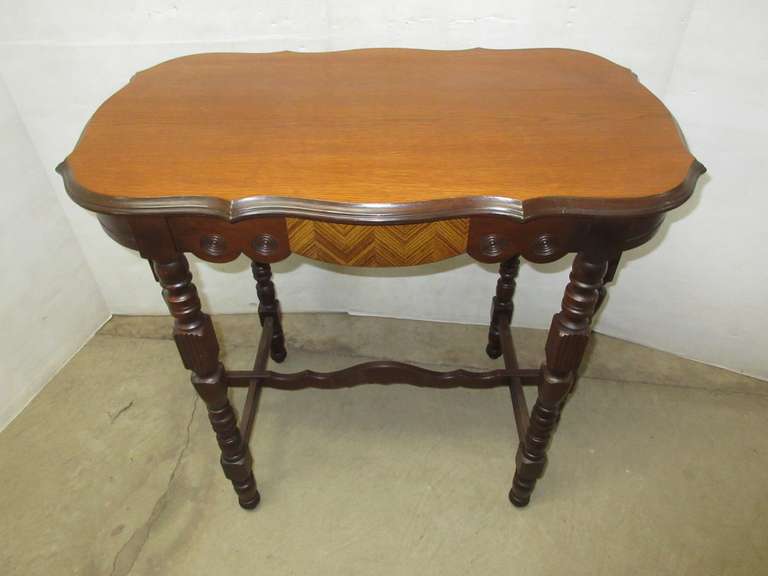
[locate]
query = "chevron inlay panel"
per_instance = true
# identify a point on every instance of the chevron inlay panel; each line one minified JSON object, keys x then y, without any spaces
{"x":373,"y":245}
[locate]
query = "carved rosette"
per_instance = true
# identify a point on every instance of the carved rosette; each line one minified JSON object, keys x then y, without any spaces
{"x":214,"y":245}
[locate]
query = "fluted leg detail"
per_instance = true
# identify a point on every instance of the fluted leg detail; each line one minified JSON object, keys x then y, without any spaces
{"x":567,"y":340}
{"x":269,"y":305}
{"x":199,"y":350}
{"x":502,"y":306}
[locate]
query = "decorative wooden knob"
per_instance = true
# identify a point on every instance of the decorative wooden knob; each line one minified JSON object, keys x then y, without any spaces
{"x":265,"y":244}
{"x":545,"y":245}
{"x":213,"y":244}
{"x":493,"y":245}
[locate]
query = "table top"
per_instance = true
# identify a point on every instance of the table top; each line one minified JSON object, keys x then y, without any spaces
{"x":383,"y":135}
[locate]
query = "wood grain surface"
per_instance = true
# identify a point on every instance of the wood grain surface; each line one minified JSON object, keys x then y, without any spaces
{"x":371,"y":245}
{"x":379,"y":127}
{"x":383,"y":157}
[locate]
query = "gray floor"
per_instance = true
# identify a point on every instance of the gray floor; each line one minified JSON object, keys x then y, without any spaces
{"x":660,"y":465}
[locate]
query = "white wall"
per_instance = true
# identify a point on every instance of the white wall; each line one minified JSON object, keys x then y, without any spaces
{"x":50,"y":303}
{"x":695,"y":291}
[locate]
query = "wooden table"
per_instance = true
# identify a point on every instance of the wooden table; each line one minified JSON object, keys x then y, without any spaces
{"x":383,"y":157}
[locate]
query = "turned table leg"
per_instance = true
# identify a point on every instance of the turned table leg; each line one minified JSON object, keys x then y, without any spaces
{"x":567,"y":340}
{"x":269,"y":306}
{"x":199,"y":349}
{"x":502,"y":306}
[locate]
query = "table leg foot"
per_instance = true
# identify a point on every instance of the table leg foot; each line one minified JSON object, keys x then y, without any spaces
{"x":520,"y":493}
{"x":493,"y":351}
{"x":235,"y":457}
{"x":278,"y":355}
{"x":531,"y":459}
{"x":247,"y":494}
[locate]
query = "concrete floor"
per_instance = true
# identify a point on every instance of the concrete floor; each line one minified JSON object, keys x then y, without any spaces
{"x":660,"y":465}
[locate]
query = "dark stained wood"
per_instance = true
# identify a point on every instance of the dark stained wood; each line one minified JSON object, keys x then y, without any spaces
{"x":199,"y":351}
{"x":152,"y":237}
{"x":192,"y":329}
{"x":269,"y":307}
{"x":491,"y":239}
{"x":381,"y":135}
{"x":495,"y":239}
{"x":568,"y":335}
{"x":216,"y":240}
{"x":613,"y":265}
{"x":502,"y":307}
{"x":383,"y":157}
{"x":382,"y":372}
{"x":516,"y":382}
{"x":251,"y":405}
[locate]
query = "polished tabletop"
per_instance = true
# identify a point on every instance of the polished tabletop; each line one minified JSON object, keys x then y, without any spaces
{"x":383,"y":130}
